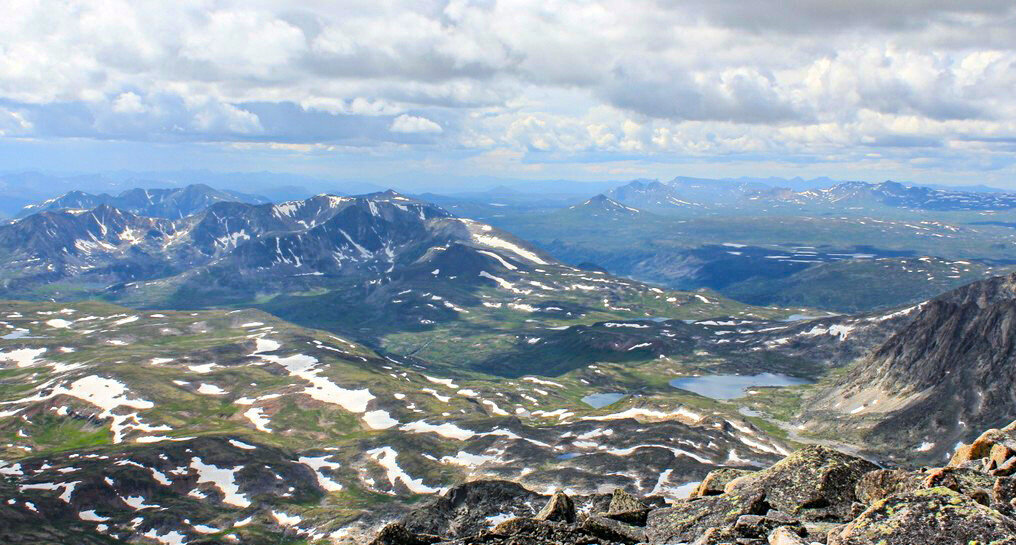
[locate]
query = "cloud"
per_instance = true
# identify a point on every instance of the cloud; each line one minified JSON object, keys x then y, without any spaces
{"x":13,"y":123}
{"x":412,"y":124}
{"x":549,"y":78}
{"x":128,"y":103}
{"x":809,"y":16}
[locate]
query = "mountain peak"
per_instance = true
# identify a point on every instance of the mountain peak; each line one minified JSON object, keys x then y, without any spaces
{"x":604,"y":204}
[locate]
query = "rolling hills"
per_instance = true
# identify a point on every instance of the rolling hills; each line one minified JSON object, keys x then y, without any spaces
{"x":201,"y":425}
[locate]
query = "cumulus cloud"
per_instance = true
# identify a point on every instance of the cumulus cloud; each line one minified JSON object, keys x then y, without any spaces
{"x":412,"y":124}
{"x":773,"y":78}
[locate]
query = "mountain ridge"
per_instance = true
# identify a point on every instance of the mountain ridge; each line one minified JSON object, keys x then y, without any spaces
{"x":947,"y":371}
{"x":171,"y":203}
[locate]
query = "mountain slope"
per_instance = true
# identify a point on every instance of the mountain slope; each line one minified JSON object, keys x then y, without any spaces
{"x":383,"y":268}
{"x":949,"y":372}
{"x":199,"y":425}
{"x":162,"y":203}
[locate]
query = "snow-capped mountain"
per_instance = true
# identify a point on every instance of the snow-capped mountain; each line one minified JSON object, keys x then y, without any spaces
{"x":602,"y":206}
{"x":171,"y":203}
{"x":691,"y":194}
{"x":652,"y":195}
{"x":324,"y":235}
{"x":892,"y":194}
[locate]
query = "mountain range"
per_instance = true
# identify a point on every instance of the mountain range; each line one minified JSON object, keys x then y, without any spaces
{"x":208,"y":370}
{"x":683,"y":195}
{"x":160,"y":203}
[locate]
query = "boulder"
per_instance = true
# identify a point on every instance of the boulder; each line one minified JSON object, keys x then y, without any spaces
{"x":525,"y":531}
{"x":882,"y":483}
{"x":688,"y":520}
{"x":1003,"y":492}
{"x":819,"y":531}
{"x":785,"y":536}
{"x":958,"y":479}
{"x":464,"y":509}
{"x":760,"y":526}
{"x":627,"y":508}
{"x":613,"y":530}
{"x":934,"y":516}
{"x":560,"y":508}
{"x":397,"y":534}
{"x":1006,"y":468}
{"x":813,"y":484}
{"x":717,"y":479}
{"x":983,"y":445}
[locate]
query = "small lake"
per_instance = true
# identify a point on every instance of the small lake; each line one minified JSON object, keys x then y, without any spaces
{"x":733,"y":386}
{"x":597,"y":401}
{"x":17,"y":334}
{"x":803,"y":317}
{"x":799,"y":318}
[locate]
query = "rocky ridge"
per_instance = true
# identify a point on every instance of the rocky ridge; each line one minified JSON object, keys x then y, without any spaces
{"x":945,"y":373}
{"x":815,"y":495}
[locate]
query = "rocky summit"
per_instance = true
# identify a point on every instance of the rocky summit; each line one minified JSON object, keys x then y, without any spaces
{"x":814,"y":496}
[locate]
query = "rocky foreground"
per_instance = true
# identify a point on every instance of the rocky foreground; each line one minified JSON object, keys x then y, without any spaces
{"x":814,"y":496}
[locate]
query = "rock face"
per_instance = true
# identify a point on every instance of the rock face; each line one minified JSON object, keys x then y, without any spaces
{"x":816,"y":495}
{"x":716,"y":481}
{"x":465,"y":509}
{"x":688,"y":520}
{"x":948,"y":372}
{"x":814,"y":484}
{"x":626,"y":508}
{"x":932,"y":516}
{"x":560,"y":508}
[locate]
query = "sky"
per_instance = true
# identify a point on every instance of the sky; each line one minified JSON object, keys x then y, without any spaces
{"x":548,"y":89}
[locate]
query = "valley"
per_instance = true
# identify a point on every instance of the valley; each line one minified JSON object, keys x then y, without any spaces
{"x":305,"y":372}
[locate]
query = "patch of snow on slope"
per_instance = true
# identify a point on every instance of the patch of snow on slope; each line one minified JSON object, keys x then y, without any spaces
{"x":495,"y":242}
{"x":317,"y":463}
{"x":446,"y":429}
{"x":257,"y":417}
{"x":379,"y":420}
{"x":387,"y":457}
{"x":223,"y":478}
{"x":647,"y":413}
{"x":108,"y":395}
{"x":22,"y":357}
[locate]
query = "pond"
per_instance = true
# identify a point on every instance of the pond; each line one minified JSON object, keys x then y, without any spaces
{"x":597,"y":401}
{"x":800,"y":318}
{"x":733,"y":386}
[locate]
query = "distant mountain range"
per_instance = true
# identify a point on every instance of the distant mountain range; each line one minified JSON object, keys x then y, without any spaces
{"x":161,"y":203}
{"x":263,"y":244}
{"x":892,"y":194}
{"x":683,"y":195}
